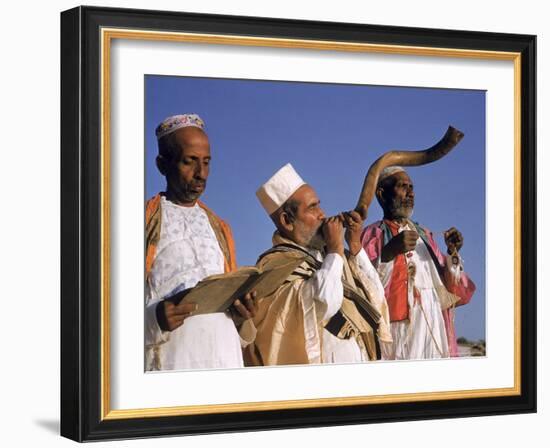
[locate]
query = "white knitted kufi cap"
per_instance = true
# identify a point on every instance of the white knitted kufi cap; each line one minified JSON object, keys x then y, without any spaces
{"x":389,"y":171}
{"x":276,"y":191}
{"x":175,"y":122}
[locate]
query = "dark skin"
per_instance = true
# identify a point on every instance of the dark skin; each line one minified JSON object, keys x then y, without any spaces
{"x":399,"y":189}
{"x":175,"y":311}
{"x":453,"y":240}
{"x":186,"y":174}
{"x":353,"y":223}
{"x":310,"y":219}
{"x":187,"y":171}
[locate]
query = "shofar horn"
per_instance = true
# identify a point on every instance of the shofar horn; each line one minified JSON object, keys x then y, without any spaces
{"x":404,"y":158}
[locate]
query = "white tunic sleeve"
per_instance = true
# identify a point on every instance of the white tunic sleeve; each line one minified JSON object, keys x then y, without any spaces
{"x":385,"y":272}
{"x":153,"y":335}
{"x":372,"y":281}
{"x":365,"y":266}
{"x":321,"y":298}
{"x":324,"y":290}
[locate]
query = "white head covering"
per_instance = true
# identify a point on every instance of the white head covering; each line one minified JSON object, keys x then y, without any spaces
{"x":276,"y":191}
{"x":389,"y":171}
{"x":176,"y":122}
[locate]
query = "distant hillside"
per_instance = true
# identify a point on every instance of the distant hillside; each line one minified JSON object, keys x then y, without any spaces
{"x":471,"y":348}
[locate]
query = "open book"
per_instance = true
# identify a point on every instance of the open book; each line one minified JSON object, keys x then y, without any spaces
{"x":217,"y":293}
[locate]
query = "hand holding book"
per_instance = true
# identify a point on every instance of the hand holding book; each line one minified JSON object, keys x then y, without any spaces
{"x":236,"y":290}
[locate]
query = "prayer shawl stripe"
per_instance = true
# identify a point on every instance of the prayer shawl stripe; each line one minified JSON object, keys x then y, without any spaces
{"x":342,"y":324}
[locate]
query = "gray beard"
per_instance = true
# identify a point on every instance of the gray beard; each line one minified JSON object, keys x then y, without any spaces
{"x":403,"y":212}
{"x":398,"y":210}
{"x":317,"y":242}
{"x":311,"y":240}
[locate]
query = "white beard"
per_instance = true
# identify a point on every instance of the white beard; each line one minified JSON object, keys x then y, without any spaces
{"x":400,"y":211}
{"x":403,"y":212}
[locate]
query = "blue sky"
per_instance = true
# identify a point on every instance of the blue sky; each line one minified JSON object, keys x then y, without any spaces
{"x":331,"y":133}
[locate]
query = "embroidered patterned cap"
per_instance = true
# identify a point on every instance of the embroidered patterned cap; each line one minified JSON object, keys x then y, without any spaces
{"x":176,"y":122}
{"x":389,"y":171}
{"x":276,"y":191}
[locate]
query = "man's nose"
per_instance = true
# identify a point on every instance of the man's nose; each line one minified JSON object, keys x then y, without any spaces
{"x":410,"y":192}
{"x":201,"y":172}
{"x":322,"y":215}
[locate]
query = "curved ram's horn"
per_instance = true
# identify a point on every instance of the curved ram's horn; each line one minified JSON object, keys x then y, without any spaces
{"x":404,"y":158}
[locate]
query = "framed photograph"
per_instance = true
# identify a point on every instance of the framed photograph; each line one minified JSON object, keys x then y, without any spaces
{"x":196,"y":149}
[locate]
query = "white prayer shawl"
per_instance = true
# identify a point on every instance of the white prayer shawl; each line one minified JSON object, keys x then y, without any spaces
{"x":187,"y":252}
{"x":423,"y":335}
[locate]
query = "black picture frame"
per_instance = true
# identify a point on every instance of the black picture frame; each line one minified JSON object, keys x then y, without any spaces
{"x":82,"y":208}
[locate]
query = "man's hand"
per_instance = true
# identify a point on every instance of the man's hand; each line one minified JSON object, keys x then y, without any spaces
{"x":333,"y":233}
{"x":353,"y":222}
{"x":171,"y":316}
{"x":401,"y":243}
{"x":243,"y":309}
{"x":453,"y":240}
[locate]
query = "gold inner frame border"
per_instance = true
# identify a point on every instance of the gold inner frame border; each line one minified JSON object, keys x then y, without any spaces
{"x":107,"y":35}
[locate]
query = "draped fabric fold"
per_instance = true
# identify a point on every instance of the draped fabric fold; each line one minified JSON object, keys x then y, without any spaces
{"x":293,"y":322}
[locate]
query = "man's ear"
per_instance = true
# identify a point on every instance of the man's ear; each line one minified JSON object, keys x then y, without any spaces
{"x":162,"y":164}
{"x":380,"y":195}
{"x":285,"y":222}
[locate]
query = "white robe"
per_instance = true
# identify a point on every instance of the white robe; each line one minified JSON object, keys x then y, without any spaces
{"x":322,"y":297}
{"x":423,"y":335}
{"x":187,"y":252}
